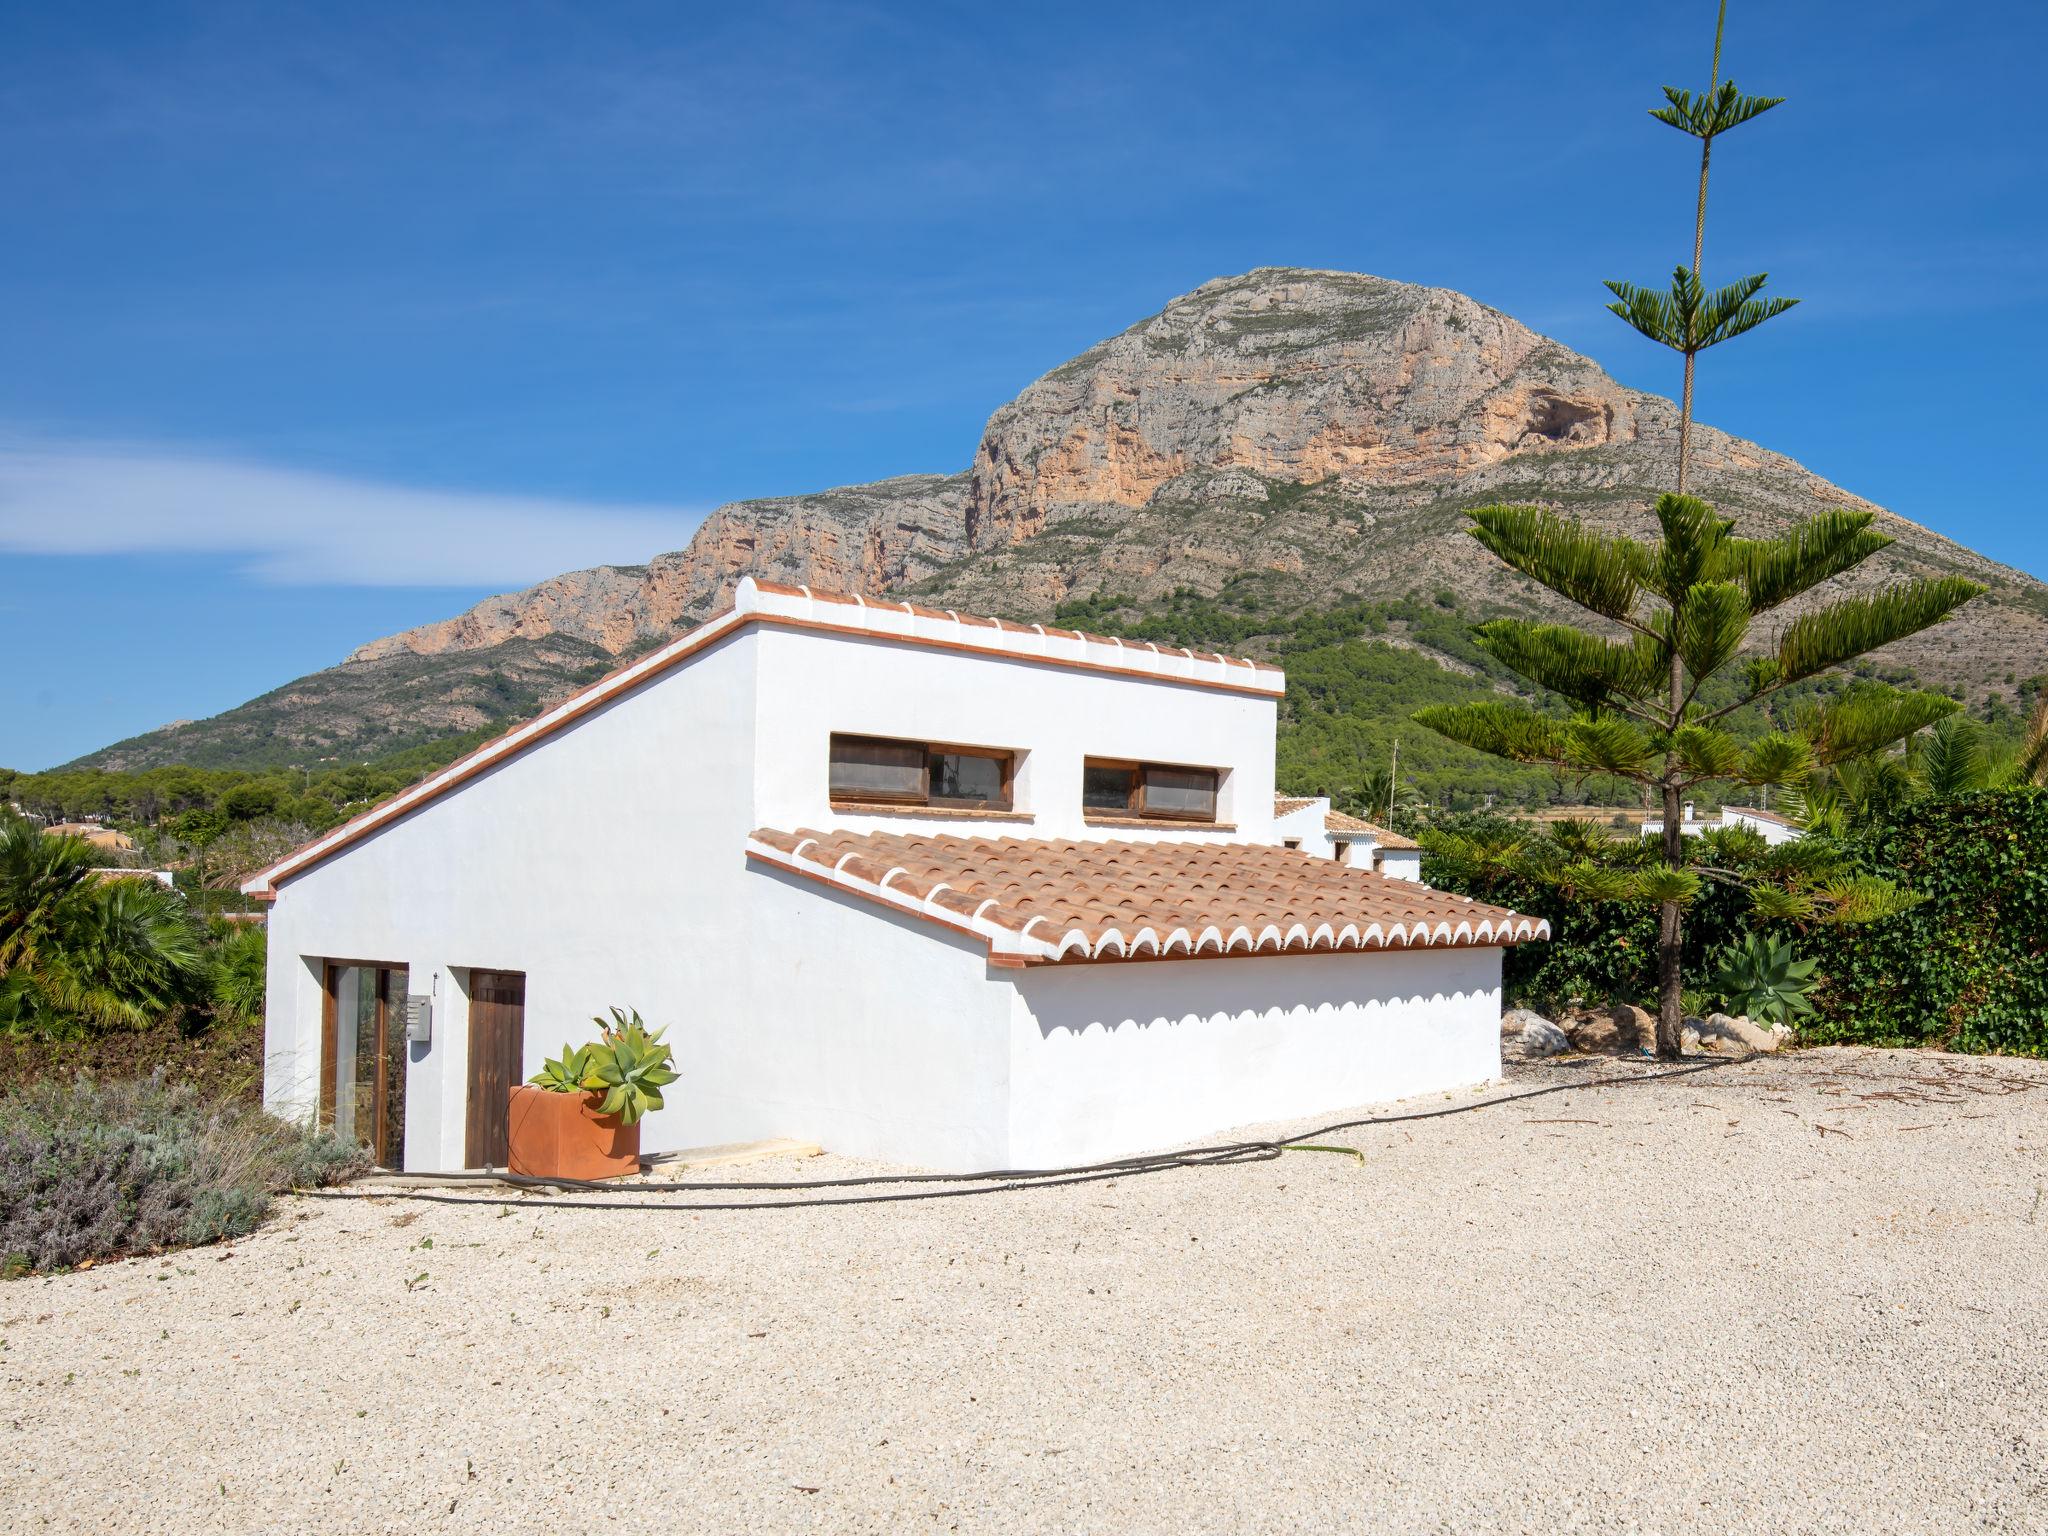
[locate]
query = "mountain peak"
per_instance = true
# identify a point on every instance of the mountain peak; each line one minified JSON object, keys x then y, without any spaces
{"x":1306,"y":437}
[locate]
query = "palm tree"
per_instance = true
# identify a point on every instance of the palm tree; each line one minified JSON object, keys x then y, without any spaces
{"x":79,"y":950}
{"x":1378,"y":798}
{"x":2032,"y":767}
{"x":1952,"y":761}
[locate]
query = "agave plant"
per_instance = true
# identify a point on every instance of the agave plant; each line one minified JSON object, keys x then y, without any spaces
{"x":1760,"y":977}
{"x":571,"y":1072}
{"x":633,"y":1065}
{"x":628,"y":1063}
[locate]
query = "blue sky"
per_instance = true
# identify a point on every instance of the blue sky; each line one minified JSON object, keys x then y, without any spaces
{"x":322,"y":321}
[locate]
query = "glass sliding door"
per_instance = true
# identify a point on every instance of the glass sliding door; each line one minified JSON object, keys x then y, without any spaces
{"x":362,"y":1067}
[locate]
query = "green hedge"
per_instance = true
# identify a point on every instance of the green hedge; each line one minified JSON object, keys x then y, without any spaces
{"x":1968,"y":969}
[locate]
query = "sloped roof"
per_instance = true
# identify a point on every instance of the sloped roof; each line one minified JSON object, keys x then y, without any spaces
{"x":1389,"y":839}
{"x":1760,"y":815}
{"x":769,"y":602}
{"x":1287,"y":805}
{"x":1043,"y":900}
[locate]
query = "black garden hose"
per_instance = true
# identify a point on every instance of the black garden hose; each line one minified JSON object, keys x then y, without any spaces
{"x":989,"y":1182}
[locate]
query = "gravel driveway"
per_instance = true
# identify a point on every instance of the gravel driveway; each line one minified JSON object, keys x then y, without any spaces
{"x":1801,"y":1294}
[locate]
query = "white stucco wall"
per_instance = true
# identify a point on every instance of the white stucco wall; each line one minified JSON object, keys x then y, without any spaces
{"x":1773,"y":831}
{"x":810,"y":688}
{"x":1305,"y":827}
{"x":1118,"y":1058}
{"x":603,"y":864}
{"x":1400,"y":863}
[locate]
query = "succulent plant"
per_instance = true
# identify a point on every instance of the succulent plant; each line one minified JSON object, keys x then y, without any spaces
{"x":1759,"y":977}
{"x":570,"y":1073}
{"x":628,"y":1063}
{"x":634,"y":1064}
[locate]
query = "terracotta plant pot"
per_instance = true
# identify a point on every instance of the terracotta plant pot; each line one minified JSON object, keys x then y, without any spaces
{"x":562,"y":1136}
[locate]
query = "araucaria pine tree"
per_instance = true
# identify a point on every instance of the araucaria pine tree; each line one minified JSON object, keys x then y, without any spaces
{"x":1679,"y":612}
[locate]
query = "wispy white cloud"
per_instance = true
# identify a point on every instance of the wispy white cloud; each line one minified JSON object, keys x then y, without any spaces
{"x":295,"y":526}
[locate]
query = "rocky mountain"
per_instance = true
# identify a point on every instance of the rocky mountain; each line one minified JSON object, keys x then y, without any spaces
{"x":1283,"y":440}
{"x":863,"y":538}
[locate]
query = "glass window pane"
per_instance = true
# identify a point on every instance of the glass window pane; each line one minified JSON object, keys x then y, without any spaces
{"x":962,"y":778}
{"x":865,"y":768}
{"x":364,"y":1067}
{"x":392,"y":1152}
{"x":1184,"y":792}
{"x":347,"y":1010}
{"x":1104,"y":788}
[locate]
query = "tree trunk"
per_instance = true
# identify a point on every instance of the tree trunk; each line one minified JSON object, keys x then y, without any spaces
{"x":1670,"y":937}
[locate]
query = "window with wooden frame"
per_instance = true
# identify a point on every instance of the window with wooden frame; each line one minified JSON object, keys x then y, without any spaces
{"x":1148,"y":791}
{"x":877,"y":770}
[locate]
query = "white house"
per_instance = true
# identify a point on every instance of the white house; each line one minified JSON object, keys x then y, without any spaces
{"x":1774,"y":828}
{"x":1307,"y":822}
{"x":914,"y":885}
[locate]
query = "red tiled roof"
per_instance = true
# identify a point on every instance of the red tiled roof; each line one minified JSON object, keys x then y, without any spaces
{"x":1287,"y":805}
{"x":1037,"y":900}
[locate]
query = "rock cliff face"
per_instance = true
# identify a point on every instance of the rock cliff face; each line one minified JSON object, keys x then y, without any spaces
{"x":1314,"y":378}
{"x":1316,"y":434}
{"x":864,"y":538}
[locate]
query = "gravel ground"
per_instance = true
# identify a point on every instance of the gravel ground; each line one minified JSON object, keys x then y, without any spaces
{"x":1801,"y":1294}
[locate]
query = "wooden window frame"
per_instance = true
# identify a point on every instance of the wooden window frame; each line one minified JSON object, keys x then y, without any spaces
{"x":1137,"y":809}
{"x":1007,"y":756}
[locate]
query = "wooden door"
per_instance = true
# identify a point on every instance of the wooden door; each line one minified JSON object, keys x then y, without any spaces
{"x":497,"y":1046}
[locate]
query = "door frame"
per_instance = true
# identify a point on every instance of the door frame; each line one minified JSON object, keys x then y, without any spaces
{"x":330,"y":1039}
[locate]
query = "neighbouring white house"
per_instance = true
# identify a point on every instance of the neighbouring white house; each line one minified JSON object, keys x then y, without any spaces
{"x":1307,"y":822}
{"x":1775,"y":829}
{"x":914,"y":885}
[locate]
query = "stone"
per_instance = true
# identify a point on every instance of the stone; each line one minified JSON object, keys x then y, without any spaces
{"x":1634,"y":1028}
{"x":1739,"y":1035}
{"x":1515,"y":1020}
{"x":1594,"y":1032}
{"x":1543,"y":1038}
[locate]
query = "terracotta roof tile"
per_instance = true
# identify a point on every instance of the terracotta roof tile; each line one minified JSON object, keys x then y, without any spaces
{"x":1038,"y":900}
{"x":1287,"y":805}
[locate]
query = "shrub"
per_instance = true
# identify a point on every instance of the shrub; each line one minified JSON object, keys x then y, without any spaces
{"x":93,"y":1171}
{"x":1967,"y":970}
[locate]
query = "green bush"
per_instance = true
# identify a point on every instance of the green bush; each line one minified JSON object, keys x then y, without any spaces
{"x":96,"y":1171}
{"x":1968,"y":969}
{"x":1965,"y":970}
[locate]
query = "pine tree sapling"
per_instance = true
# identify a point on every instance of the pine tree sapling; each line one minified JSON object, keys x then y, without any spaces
{"x":1673,"y":614}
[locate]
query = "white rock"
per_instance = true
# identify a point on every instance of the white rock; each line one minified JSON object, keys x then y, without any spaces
{"x":1515,"y":1020}
{"x":1542,"y":1038}
{"x":1718,"y":1031}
